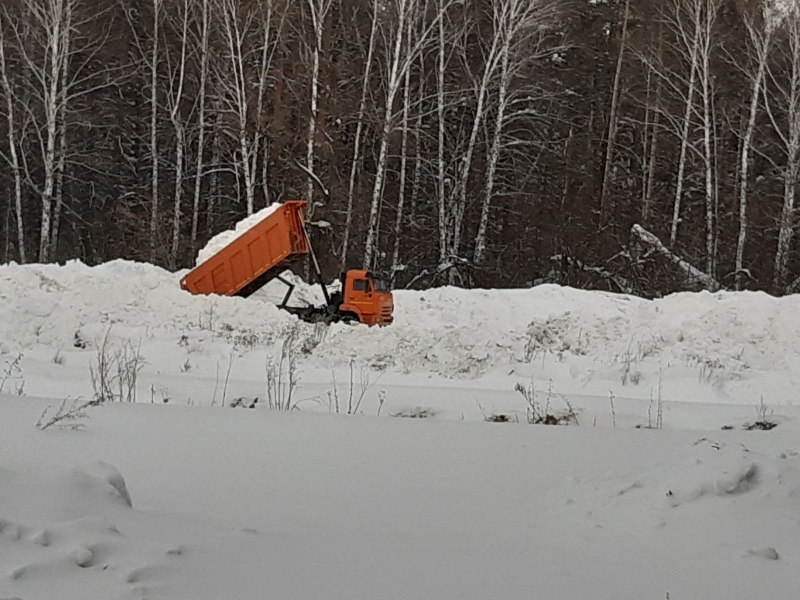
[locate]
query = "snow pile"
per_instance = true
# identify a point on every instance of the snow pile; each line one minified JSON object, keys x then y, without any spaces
{"x":219,"y":241}
{"x":53,"y":305}
{"x":448,"y":331}
{"x":459,"y":331}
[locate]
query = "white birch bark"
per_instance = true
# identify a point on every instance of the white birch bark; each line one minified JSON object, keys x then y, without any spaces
{"x":494,"y":156}
{"x":62,"y":134}
{"x":52,"y":17}
{"x":612,"y":119}
{"x":12,"y":145}
{"x":687,"y":120}
{"x":362,"y":106}
{"x":154,"y":201}
{"x":176,"y":100}
{"x":393,"y":83}
{"x":440,"y":178}
{"x":398,"y":225}
{"x":762,"y":43}
{"x":319,"y":12}
{"x":201,"y":121}
{"x":790,"y":139}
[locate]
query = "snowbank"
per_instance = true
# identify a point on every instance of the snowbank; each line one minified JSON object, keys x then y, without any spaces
{"x":448,"y":331}
{"x":51,"y":305}
{"x":219,"y":241}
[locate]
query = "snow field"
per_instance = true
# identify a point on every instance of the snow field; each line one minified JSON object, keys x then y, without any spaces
{"x":716,"y":348}
{"x":188,"y":501}
{"x":259,"y":503}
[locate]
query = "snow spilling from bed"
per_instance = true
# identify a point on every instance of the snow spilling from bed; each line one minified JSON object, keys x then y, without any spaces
{"x":219,"y":241}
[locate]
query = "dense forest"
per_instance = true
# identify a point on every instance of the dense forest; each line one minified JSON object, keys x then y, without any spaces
{"x":643,"y":146}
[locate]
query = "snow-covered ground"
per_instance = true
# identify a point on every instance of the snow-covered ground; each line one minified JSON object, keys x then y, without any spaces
{"x":231,"y":502}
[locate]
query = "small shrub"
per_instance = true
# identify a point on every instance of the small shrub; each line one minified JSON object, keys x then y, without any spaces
{"x":115,"y":371}
{"x":540,"y":414}
{"x":764,"y":422}
{"x":12,"y":372}
{"x":281,"y":374}
{"x":72,"y":416}
{"x":186,"y":367}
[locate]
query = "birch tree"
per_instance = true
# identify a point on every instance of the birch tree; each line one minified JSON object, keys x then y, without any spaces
{"x":318,"y":9}
{"x":13,"y":154}
{"x":781,"y":92}
{"x":154,"y":199}
{"x":365,"y":83}
{"x":398,"y":225}
{"x":399,"y":59}
{"x":690,"y":41}
{"x":175,"y":104}
{"x":613,"y":115}
{"x":242,"y":24}
{"x":49,"y":30}
{"x":201,"y":119}
{"x":761,"y":35}
{"x":519,"y":26}
{"x":62,"y":135}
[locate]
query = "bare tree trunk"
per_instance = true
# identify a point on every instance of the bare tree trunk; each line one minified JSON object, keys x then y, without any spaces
{"x":676,"y":213}
{"x":55,"y":49}
{"x":392,"y":87}
{"x":359,"y":129}
{"x":62,"y":134}
{"x":180,"y":143}
{"x":417,"y":177}
{"x":262,"y":85}
{"x":154,"y":133}
{"x":762,"y":52}
{"x":201,"y":123}
{"x":692,"y":274}
{"x":612,"y":119}
{"x":494,"y":156}
{"x":440,"y":180}
{"x":398,"y":225}
{"x":647,"y":206}
{"x":12,"y":144}
{"x":319,"y":12}
{"x":792,"y":146}
{"x":213,"y":194}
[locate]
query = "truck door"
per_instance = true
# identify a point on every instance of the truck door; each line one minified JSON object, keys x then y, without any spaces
{"x":361,"y":297}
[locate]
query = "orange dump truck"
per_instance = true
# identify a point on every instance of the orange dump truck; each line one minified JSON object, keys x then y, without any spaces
{"x":267,"y":249}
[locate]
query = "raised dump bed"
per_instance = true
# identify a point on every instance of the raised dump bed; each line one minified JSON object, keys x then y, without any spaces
{"x":255,"y":257}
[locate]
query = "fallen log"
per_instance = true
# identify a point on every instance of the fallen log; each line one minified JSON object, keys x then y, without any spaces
{"x":692,"y":274}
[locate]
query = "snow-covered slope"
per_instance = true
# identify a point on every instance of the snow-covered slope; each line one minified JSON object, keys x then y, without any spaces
{"x":724,"y":338}
{"x":195,"y":501}
{"x":233,"y":503}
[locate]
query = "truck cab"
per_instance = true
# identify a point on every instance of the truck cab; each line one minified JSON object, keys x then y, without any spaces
{"x":365,"y":297}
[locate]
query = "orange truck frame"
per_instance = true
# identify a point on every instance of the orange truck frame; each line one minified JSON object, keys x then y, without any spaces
{"x":269,"y":248}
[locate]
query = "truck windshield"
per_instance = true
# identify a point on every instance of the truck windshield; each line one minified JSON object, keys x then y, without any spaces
{"x":381,"y":285}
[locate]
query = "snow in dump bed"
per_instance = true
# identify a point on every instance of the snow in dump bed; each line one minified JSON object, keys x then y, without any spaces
{"x":219,"y":241}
